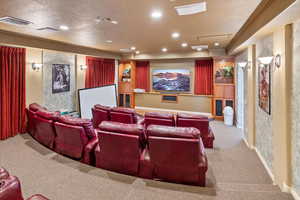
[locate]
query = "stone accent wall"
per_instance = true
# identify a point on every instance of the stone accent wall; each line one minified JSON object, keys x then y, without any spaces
{"x":263,"y":121}
{"x":65,"y":100}
{"x":296,"y":107}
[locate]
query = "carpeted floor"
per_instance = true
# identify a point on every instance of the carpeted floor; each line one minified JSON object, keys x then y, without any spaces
{"x":235,"y":173}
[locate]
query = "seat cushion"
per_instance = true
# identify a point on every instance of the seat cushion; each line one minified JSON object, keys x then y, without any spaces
{"x":116,"y":127}
{"x":173,"y":132}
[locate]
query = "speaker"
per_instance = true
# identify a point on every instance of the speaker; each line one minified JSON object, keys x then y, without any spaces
{"x":219,"y":107}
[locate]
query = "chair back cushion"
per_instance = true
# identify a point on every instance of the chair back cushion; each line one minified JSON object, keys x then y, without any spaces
{"x":123,"y":115}
{"x":70,"y":139}
{"x":35,"y":107}
{"x":48,"y":114}
{"x":99,"y":115}
{"x":155,"y":118}
{"x":173,"y":132}
{"x":201,"y":124}
{"x":44,"y":132}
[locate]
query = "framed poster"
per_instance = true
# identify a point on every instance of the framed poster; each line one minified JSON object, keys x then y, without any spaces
{"x":60,"y":78}
{"x":264,"y":88}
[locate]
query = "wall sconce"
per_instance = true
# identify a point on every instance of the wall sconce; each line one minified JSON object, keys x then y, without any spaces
{"x":244,"y":65}
{"x":266,"y":60}
{"x":36,"y":67}
{"x":83,"y":67}
{"x":277,"y":60}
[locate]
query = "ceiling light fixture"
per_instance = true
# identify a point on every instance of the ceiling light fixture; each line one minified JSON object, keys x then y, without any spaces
{"x":175,"y":35}
{"x":265,"y":60}
{"x":199,"y":49}
{"x":156,"y":14}
{"x":63,"y":27}
{"x":114,"y":22}
{"x":217,"y":44}
{"x":137,"y":52}
{"x":184,"y":44}
{"x":164,"y":49}
{"x":191,"y":9}
{"x":108,"y":41}
{"x":133,"y":48}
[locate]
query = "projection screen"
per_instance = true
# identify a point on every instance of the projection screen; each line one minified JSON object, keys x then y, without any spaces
{"x":106,"y":95}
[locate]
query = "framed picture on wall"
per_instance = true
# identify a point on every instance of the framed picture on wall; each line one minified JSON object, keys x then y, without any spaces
{"x":264,"y":88}
{"x":60,"y":78}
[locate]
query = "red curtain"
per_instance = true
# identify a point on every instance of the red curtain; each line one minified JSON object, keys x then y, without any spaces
{"x":12,"y":91}
{"x":204,"y":77}
{"x":142,"y":75}
{"x":99,"y":72}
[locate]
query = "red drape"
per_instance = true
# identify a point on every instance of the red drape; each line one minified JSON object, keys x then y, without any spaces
{"x":12,"y":91}
{"x":142,"y":75}
{"x":99,"y":72}
{"x":204,"y":77}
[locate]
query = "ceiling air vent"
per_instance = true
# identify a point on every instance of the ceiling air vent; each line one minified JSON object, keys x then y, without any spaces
{"x":47,"y":29}
{"x":191,"y":9}
{"x":15,"y":21}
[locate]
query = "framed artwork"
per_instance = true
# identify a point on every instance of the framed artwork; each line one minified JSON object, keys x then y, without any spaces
{"x":60,"y":78}
{"x":225,"y":75}
{"x":264,"y":88}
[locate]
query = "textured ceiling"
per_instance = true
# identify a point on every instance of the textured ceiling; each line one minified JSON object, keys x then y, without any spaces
{"x":136,"y":28}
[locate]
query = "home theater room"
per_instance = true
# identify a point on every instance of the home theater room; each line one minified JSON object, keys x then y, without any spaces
{"x":160,"y":99}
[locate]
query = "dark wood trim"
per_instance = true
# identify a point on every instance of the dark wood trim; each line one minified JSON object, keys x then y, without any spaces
{"x":263,"y":14}
{"x":18,"y":39}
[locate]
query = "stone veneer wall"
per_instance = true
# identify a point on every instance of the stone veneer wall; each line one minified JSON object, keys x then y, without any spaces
{"x":296,"y":106}
{"x":263,"y":121}
{"x":65,"y":100}
{"x":241,"y":90}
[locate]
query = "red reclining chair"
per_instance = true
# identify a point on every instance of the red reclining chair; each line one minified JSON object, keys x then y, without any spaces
{"x":45,"y":133}
{"x":10,"y":188}
{"x":199,"y":122}
{"x":176,"y":154}
{"x":75,"y":138}
{"x":100,"y":114}
{"x":119,"y":147}
{"x":155,"y":118}
{"x":126,"y":116}
{"x":31,"y":115}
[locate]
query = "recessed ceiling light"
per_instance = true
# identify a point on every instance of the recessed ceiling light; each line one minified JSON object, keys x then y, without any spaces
{"x":164,"y":49}
{"x":175,"y":35}
{"x":137,"y":52}
{"x":184,"y":44}
{"x":108,"y":41}
{"x":63,"y":27}
{"x":114,"y":22}
{"x":199,"y":49}
{"x":191,"y":9}
{"x":133,"y":48}
{"x":217,"y":44}
{"x":156,"y":14}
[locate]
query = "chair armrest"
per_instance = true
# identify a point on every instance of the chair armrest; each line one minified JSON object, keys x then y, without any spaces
{"x":3,"y":173}
{"x":89,"y":157}
{"x":140,"y":119}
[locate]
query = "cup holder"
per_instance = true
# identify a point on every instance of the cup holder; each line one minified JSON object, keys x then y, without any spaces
{"x":2,"y":184}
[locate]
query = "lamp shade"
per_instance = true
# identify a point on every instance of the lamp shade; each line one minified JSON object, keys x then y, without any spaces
{"x":265,"y":60}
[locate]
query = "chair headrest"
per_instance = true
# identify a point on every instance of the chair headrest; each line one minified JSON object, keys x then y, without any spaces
{"x":123,"y":110}
{"x":173,"y":132}
{"x":48,"y":114}
{"x":35,"y":107}
{"x":74,"y":121}
{"x":191,"y":116}
{"x":101,"y":107}
{"x":116,"y":127}
{"x":159,"y":115}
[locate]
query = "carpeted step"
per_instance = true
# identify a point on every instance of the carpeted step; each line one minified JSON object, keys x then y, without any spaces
{"x":246,"y":195}
{"x":248,"y":187}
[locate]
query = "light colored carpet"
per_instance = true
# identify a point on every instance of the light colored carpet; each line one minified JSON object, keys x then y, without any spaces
{"x":235,"y":173}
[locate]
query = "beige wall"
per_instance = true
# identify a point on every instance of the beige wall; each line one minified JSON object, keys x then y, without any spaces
{"x":187,"y":102}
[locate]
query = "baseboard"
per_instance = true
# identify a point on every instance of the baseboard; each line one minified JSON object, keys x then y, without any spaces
{"x":170,"y":110}
{"x":247,"y":144}
{"x":294,"y":194}
{"x":265,"y":165}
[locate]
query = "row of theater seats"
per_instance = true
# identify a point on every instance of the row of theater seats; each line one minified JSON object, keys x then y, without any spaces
{"x":124,"y":142}
{"x":129,"y":116}
{"x":10,"y":188}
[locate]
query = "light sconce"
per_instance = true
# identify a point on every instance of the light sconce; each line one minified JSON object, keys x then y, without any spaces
{"x":36,"y":67}
{"x":277,"y":61}
{"x":83,"y":67}
{"x":244,"y":65}
{"x":266,"y":60}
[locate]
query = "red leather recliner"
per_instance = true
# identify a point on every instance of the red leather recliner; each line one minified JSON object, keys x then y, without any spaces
{"x":100,"y":114}
{"x":75,"y":138}
{"x":125,"y":115}
{"x":31,"y":116}
{"x":155,"y":118}
{"x":199,"y":122}
{"x":45,"y":132}
{"x":119,"y":147}
{"x":176,"y":154}
{"x":10,"y":188}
